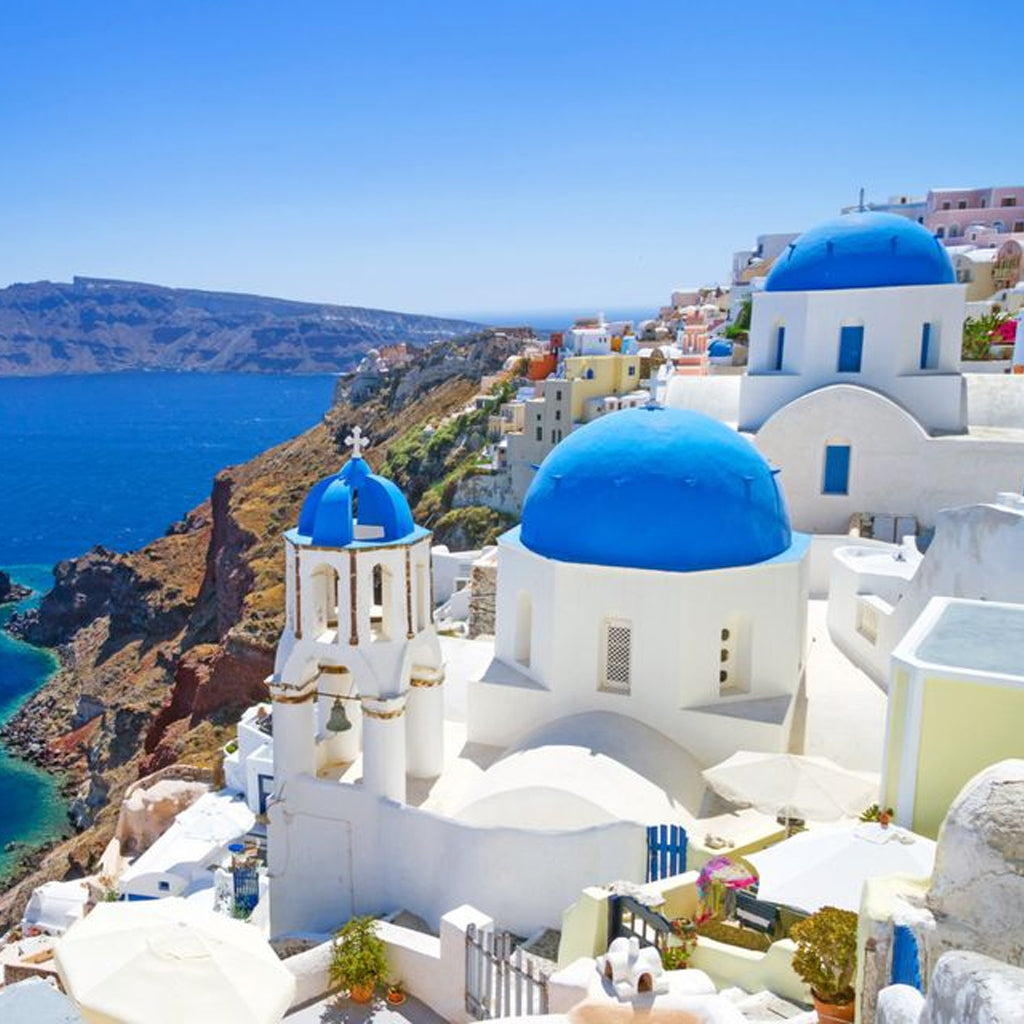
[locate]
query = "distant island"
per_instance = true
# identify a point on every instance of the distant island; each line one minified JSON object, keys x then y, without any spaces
{"x":96,"y":325}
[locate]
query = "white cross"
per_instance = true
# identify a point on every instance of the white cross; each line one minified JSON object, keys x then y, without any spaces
{"x":357,"y":442}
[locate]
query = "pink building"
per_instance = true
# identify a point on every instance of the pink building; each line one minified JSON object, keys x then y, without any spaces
{"x":951,"y":213}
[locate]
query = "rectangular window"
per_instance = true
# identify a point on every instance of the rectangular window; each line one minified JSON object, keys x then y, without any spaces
{"x":926,"y":347}
{"x":945,"y":205}
{"x":617,"y":651}
{"x":540,"y":433}
{"x":558,"y":415}
{"x":1018,"y":227}
{"x":851,"y":345}
{"x":552,"y":437}
{"x":962,"y":204}
{"x":632,"y":371}
{"x":780,"y":346}
{"x":837,"y":469}
{"x":1009,"y":201}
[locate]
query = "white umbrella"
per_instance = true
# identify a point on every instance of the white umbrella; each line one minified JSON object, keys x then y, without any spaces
{"x":793,"y":785}
{"x":167,"y":961}
{"x":828,"y":866}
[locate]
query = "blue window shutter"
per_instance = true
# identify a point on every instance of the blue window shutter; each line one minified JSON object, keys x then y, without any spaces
{"x":851,"y":345}
{"x":906,"y":967}
{"x":837,"y":469}
{"x":780,"y":342}
{"x":926,"y":340}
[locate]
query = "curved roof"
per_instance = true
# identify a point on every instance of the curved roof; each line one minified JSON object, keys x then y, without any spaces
{"x":861,"y":250}
{"x":656,"y":488}
{"x":336,"y":504}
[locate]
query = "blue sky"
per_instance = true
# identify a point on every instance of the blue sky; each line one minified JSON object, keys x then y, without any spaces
{"x":461,"y":157}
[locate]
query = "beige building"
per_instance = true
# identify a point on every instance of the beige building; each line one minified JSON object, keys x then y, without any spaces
{"x":589,"y":387}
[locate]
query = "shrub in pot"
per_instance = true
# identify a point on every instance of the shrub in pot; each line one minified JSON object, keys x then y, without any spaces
{"x":358,"y":962}
{"x":826,"y":959}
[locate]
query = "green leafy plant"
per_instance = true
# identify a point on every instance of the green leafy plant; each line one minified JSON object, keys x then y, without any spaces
{"x":740,"y":327}
{"x":826,"y":953}
{"x":358,"y":958}
{"x":677,"y":958}
{"x":874,"y":813}
{"x":980,"y":333}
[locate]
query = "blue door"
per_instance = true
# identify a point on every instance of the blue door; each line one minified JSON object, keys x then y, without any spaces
{"x":666,"y":851}
{"x":837,"y":469}
{"x":851,"y":345}
{"x":265,"y":784}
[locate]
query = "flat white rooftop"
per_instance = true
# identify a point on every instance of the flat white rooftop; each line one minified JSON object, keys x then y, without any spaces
{"x":977,"y":636}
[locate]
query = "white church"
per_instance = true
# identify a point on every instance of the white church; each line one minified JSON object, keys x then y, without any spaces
{"x":855,"y":385}
{"x":651,"y":621}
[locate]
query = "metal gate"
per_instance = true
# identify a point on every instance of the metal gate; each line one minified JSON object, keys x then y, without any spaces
{"x":666,"y":851}
{"x":501,"y":981}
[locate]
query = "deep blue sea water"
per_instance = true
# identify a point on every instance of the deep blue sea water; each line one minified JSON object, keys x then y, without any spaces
{"x":113,"y":460}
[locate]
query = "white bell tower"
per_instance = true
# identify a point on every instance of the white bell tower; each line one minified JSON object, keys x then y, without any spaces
{"x":358,"y":668}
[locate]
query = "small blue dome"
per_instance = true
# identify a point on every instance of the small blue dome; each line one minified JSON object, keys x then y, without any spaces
{"x":719,"y":348}
{"x":861,"y":250}
{"x":656,"y":488}
{"x":335,"y":504}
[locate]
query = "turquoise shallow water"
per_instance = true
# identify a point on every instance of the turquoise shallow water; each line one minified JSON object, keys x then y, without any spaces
{"x":33,"y":809}
{"x":113,"y":460}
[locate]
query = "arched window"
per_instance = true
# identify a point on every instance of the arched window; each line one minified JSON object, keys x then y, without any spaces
{"x":422,"y":598}
{"x":940,"y":232}
{"x":524,"y":629}
{"x":954,"y":230}
{"x":382,"y":608}
{"x":324,"y":602}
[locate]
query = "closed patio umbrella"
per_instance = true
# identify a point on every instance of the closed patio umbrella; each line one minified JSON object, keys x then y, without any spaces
{"x":828,"y":866}
{"x":168,"y":961}
{"x":793,"y":786}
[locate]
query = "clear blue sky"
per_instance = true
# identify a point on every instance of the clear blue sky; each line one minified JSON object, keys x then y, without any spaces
{"x":472,"y":156}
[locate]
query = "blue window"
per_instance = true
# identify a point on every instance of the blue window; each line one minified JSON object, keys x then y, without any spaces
{"x":632,"y":371}
{"x":837,"y":469}
{"x":780,"y":344}
{"x":851,"y":344}
{"x":265,"y":787}
{"x":929,"y":350}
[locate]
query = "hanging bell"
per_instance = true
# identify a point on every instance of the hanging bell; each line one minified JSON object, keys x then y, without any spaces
{"x":339,"y":721}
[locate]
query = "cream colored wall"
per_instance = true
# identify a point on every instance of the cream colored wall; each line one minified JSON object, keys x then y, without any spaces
{"x":966,"y":725}
{"x":611,"y":376}
{"x":895,"y":735}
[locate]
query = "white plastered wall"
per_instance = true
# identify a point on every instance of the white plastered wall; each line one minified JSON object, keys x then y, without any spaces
{"x":675,"y":620}
{"x":892,"y":319}
{"x":895,"y":466}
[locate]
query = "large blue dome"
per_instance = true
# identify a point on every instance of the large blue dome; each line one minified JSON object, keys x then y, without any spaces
{"x":656,"y":488}
{"x":861,"y":250}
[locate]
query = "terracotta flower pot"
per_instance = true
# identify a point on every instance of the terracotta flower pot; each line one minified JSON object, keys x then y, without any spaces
{"x":829,"y":1012}
{"x":364,"y":993}
{"x":396,"y":998}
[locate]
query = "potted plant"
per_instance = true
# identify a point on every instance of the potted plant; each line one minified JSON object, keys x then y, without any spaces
{"x":358,"y":962}
{"x":396,"y":993}
{"x":677,"y":958}
{"x":826,"y":959}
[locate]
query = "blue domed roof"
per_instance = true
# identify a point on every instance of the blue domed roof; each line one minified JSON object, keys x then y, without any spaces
{"x":656,"y":488}
{"x":719,"y":348}
{"x":861,"y":250}
{"x":336,"y":504}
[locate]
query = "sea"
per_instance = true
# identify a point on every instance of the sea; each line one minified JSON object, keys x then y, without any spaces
{"x":112,"y":460}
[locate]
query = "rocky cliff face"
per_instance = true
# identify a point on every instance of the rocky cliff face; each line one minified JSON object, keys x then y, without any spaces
{"x":163,"y":647}
{"x":11,"y":591}
{"x":100,"y":326}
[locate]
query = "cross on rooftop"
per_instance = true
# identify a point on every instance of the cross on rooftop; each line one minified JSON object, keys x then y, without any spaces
{"x":357,"y":442}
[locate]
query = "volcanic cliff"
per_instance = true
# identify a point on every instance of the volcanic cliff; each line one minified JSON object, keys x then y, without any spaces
{"x":95,"y":325}
{"x":163,"y":647}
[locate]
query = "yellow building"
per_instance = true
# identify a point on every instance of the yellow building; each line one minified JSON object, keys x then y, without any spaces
{"x":956,"y":705}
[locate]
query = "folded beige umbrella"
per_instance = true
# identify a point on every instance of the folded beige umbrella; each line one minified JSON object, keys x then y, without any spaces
{"x":168,"y":962}
{"x":793,"y":785}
